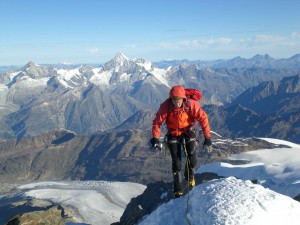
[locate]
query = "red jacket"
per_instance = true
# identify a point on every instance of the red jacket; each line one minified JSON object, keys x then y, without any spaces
{"x":180,"y":120}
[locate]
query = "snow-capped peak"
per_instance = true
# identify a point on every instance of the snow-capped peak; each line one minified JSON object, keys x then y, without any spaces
{"x":119,"y":60}
{"x":31,"y":73}
{"x":118,"y":69}
{"x":29,"y":64}
{"x":262,"y":57}
{"x":120,"y":57}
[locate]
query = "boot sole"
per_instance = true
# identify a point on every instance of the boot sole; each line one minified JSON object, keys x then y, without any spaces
{"x":178,"y":194}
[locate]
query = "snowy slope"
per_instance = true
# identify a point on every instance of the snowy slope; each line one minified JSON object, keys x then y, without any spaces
{"x":277,"y":169}
{"x":98,"y":202}
{"x":228,"y":201}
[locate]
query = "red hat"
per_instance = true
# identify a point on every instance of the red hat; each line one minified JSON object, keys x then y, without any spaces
{"x":177,"y":91}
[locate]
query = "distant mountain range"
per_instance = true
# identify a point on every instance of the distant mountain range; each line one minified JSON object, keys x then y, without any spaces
{"x":125,"y":93}
{"x":262,"y":61}
{"x":271,"y":109}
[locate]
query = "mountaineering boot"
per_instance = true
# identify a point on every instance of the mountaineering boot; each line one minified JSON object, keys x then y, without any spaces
{"x":192,"y":182}
{"x":189,"y":176}
{"x":178,"y":190}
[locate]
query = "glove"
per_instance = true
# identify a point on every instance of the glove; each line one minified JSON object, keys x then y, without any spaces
{"x":207,"y":142}
{"x":154,"y":142}
{"x":207,"y":145}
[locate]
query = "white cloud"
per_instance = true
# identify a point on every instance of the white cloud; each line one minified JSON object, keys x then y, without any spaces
{"x":198,"y":43}
{"x":130,"y":46}
{"x":262,"y":39}
{"x":295,"y":42}
{"x":274,"y":44}
{"x":267,"y":39}
{"x":289,"y":41}
{"x":167,"y":45}
{"x":93,"y":50}
{"x":295,"y":35}
{"x":212,"y":42}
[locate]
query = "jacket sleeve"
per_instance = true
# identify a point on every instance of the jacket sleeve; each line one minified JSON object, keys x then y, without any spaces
{"x":160,"y":117}
{"x":200,"y":115}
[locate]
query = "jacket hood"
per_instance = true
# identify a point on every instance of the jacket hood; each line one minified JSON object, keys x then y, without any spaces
{"x":177,"y":91}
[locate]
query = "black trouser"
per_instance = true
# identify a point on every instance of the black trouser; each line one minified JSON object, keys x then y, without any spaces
{"x":175,"y":144}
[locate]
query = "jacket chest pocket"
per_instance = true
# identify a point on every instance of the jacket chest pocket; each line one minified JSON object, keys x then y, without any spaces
{"x":179,"y":119}
{"x":183,"y":119}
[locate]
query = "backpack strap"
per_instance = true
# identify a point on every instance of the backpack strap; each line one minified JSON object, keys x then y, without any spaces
{"x":187,"y":107}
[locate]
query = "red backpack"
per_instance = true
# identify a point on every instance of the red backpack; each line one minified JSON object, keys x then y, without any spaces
{"x":193,"y":94}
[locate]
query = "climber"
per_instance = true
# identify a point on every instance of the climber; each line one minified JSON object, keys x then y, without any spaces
{"x":180,"y":115}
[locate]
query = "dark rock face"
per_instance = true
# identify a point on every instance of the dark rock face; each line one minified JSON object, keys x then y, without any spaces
{"x":155,"y":194}
{"x":32,"y":211}
{"x":54,"y":215}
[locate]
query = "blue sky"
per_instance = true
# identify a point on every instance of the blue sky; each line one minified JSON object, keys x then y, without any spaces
{"x":94,"y":31}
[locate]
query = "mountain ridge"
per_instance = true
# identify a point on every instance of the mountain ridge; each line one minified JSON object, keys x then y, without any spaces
{"x":87,"y":99}
{"x":117,"y":156}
